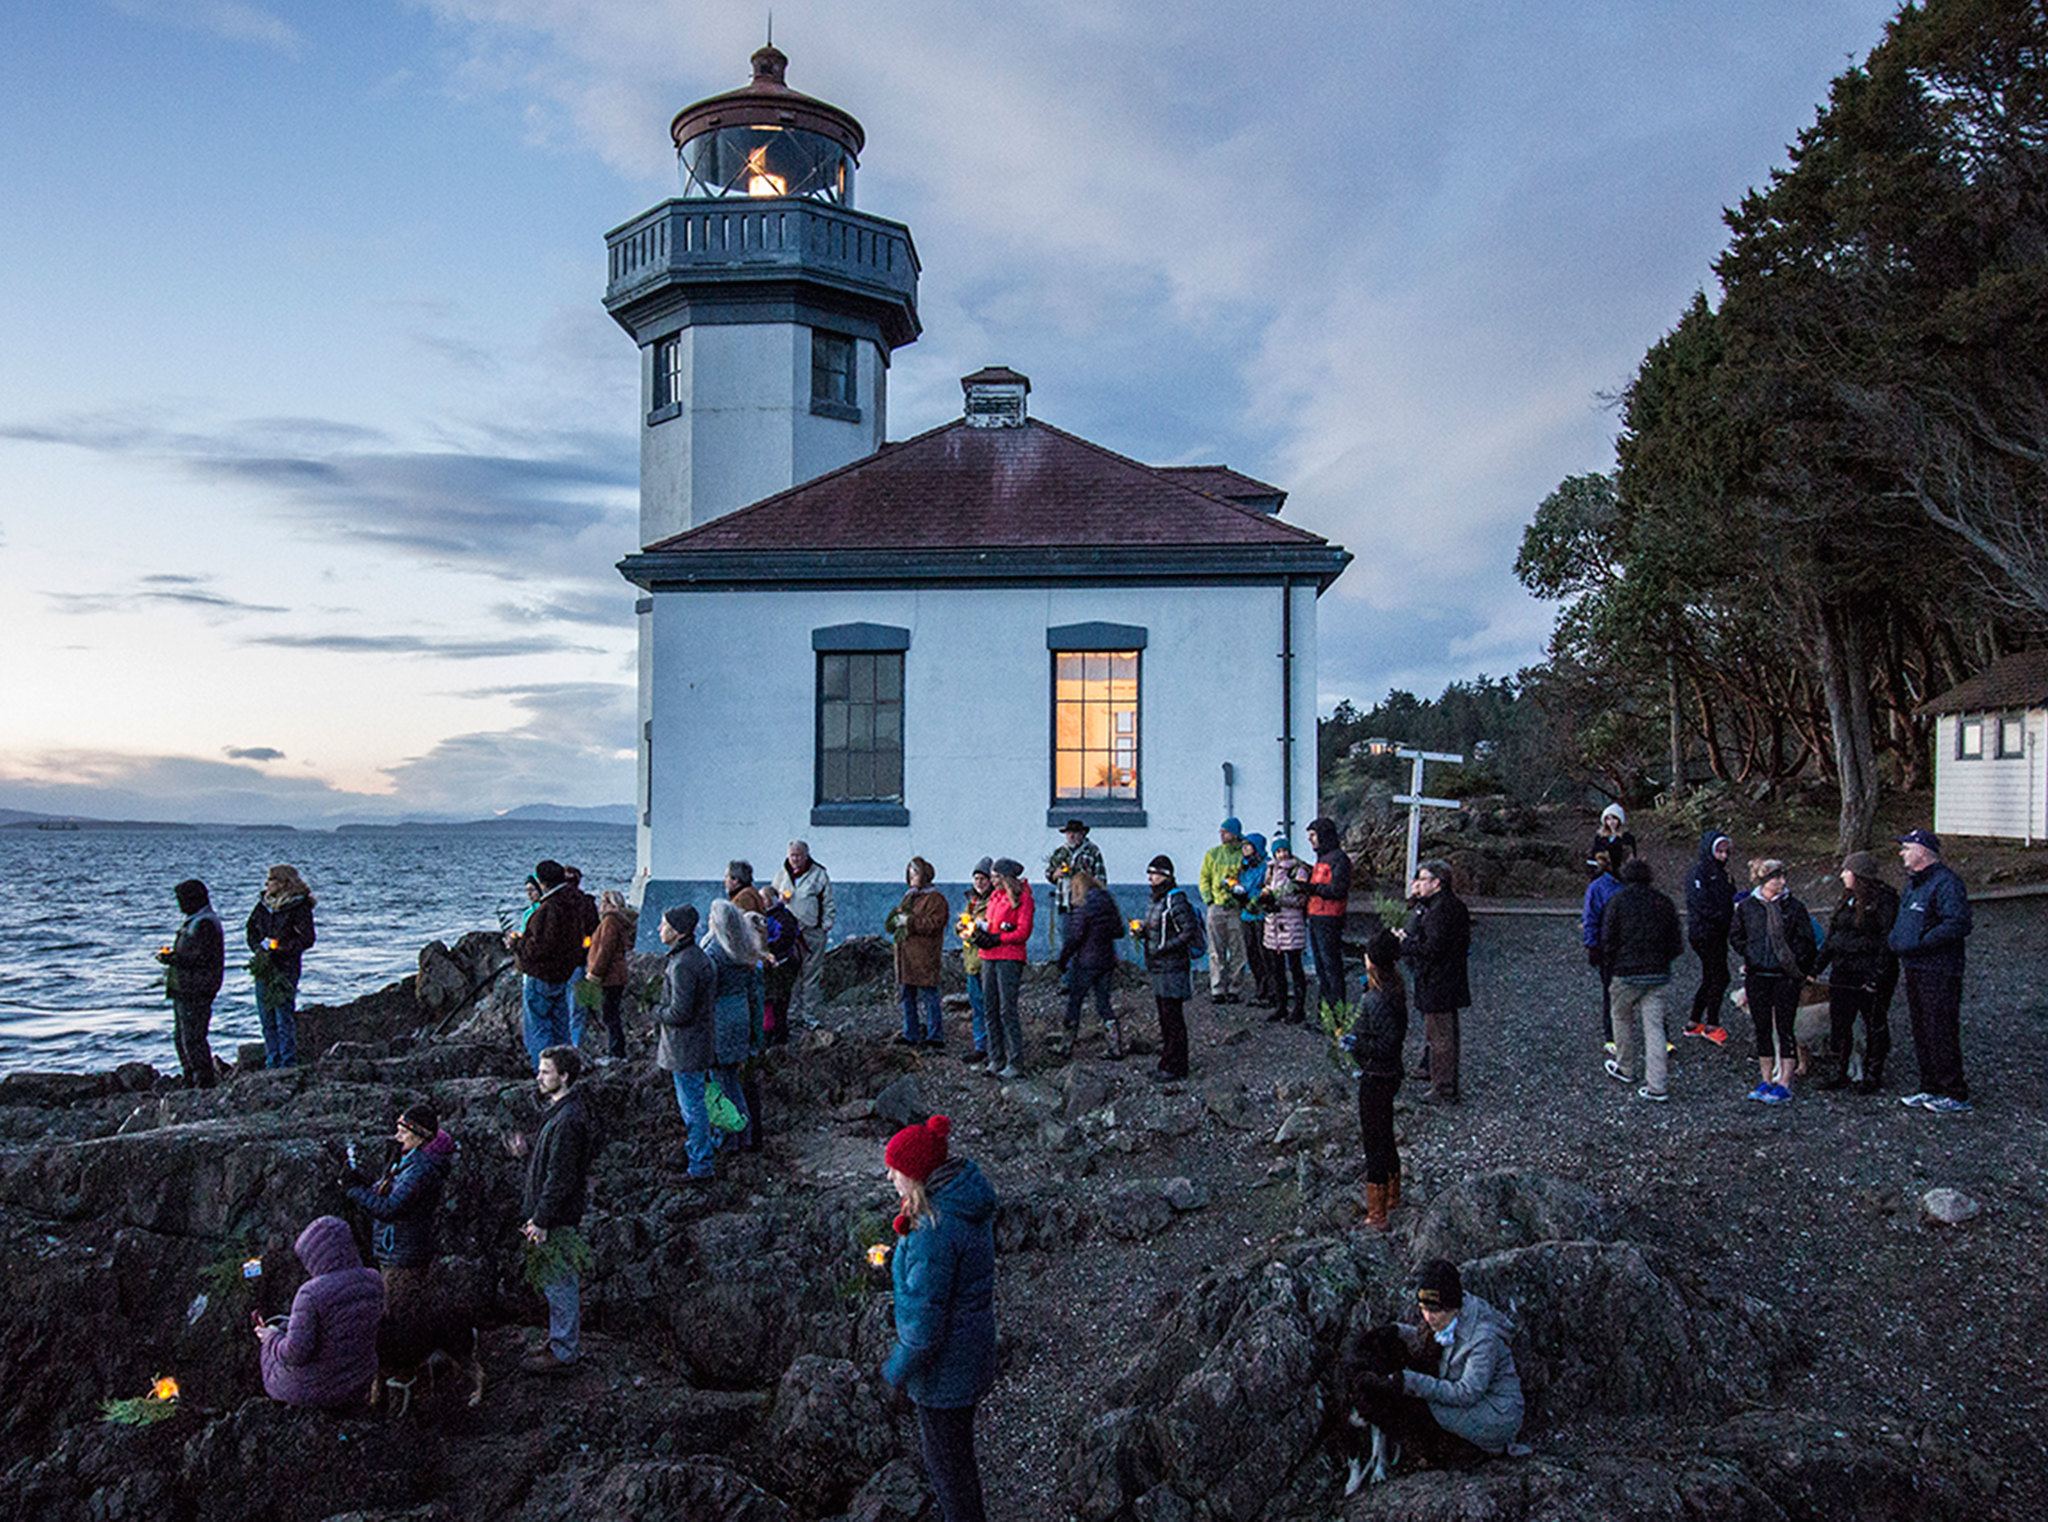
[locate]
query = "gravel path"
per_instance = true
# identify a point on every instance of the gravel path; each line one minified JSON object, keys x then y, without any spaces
{"x":1813,"y":1206}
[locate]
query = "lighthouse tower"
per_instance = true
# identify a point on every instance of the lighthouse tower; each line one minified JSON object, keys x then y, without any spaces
{"x":765,"y":309}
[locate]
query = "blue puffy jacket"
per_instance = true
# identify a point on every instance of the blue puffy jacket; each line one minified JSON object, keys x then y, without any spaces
{"x":403,"y":1204}
{"x":1251,"y":879}
{"x":1598,"y":892}
{"x":1934,"y":919}
{"x":945,"y":1274}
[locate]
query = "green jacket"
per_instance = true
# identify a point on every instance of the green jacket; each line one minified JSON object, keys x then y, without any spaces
{"x":1221,"y":864}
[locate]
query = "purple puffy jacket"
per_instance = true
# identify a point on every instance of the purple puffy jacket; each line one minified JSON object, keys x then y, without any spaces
{"x":327,"y":1353}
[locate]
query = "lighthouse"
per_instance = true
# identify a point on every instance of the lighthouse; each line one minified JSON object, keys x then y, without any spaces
{"x":765,"y":309}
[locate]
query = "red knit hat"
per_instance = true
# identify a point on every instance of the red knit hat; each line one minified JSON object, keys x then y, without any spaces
{"x":916,"y":1150}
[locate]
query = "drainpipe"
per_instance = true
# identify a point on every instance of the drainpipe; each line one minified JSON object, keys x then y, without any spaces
{"x":1287,"y":706}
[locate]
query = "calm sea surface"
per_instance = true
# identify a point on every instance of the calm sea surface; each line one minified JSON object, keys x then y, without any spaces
{"x":83,"y":912}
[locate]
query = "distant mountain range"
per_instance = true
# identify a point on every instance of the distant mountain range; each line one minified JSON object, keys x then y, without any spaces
{"x":526,"y":813}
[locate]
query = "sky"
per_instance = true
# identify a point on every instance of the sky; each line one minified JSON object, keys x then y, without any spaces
{"x":318,"y":451}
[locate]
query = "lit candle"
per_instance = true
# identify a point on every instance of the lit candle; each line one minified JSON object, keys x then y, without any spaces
{"x":165,"y":1388}
{"x":878,"y":1255}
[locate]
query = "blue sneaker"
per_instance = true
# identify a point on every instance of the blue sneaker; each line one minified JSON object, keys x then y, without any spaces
{"x":1761,"y":1092}
{"x":1941,"y":1104}
{"x":1776,"y":1094}
{"x":1914,"y":1101}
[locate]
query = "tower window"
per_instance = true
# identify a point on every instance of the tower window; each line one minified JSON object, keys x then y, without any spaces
{"x":833,"y":389}
{"x":668,"y":373}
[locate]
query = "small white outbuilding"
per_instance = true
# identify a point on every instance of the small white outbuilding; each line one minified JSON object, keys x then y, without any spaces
{"x":1991,"y":751}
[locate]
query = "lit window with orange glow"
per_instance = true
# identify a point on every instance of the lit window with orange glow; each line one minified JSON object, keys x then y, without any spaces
{"x":1095,"y":725}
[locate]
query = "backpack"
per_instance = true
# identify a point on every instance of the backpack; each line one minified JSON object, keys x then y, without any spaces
{"x":1199,"y":946}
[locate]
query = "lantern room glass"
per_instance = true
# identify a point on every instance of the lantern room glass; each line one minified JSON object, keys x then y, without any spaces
{"x":763,"y":162}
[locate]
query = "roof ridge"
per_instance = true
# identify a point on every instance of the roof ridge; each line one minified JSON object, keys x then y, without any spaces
{"x":1270,"y":519}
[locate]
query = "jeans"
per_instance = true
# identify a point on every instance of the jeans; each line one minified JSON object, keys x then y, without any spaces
{"x":1606,"y":1004}
{"x":280,"y":1024}
{"x":932,"y":1030}
{"x":1083,"y":983}
{"x":1934,"y":1000}
{"x":1643,"y":1004}
{"x":945,"y":1435}
{"x":1226,"y":950}
{"x":578,"y":1015}
{"x":546,"y":1010}
{"x":1376,"y":1129}
{"x":1326,"y":940}
{"x":1712,"y":950}
{"x":999,"y":985}
{"x":701,"y":1138}
{"x":1173,"y":1035}
{"x":565,"y":1317}
{"x":977,"y":1004}
{"x":1440,"y":1046}
{"x":190,"y":1018}
{"x":614,"y":1019}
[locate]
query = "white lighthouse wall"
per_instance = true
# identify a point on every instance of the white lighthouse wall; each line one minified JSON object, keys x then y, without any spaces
{"x":744,"y":428}
{"x":734,"y":704}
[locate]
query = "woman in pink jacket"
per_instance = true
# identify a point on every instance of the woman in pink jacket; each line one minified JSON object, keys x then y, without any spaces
{"x":1006,"y":928}
{"x":326,"y":1352}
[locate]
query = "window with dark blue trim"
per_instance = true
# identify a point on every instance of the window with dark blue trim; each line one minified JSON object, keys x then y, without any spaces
{"x":860,"y":726}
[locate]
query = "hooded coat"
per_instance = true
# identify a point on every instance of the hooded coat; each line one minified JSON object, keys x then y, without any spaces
{"x":923,"y":913}
{"x":404,"y":1203}
{"x":1476,"y":1393}
{"x":1093,"y":926}
{"x":198,"y":960}
{"x":550,"y":945}
{"x":944,"y":1272}
{"x":1330,"y":882}
{"x":1709,"y":893}
{"x":610,"y":943}
{"x":1251,"y":879}
{"x":327,"y":1353}
{"x":1286,"y":927}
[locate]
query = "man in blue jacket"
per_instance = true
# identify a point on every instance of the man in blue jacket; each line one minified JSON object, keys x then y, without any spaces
{"x":1928,"y":935}
{"x":1602,"y":888}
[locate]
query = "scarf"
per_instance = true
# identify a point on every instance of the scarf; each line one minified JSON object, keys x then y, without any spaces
{"x":1781,"y":943}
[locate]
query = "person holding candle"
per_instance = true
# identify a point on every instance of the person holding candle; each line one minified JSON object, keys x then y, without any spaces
{"x":548,"y":950}
{"x":605,"y":966}
{"x":806,"y":887}
{"x":325,"y":1354}
{"x":1219,"y":882}
{"x":1088,"y":957}
{"x":982,"y":885}
{"x":195,"y":965}
{"x":783,"y":941}
{"x":918,"y":925}
{"x":944,"y":1275}
{"x":280,"y":933}
{"x":1007,"y":923}
{"x":1251,"y":910}
{"x":1285,"y":895}
{"x":1078,"y":854}
{"x":588,"y":917}
{"x":1171,"y":933}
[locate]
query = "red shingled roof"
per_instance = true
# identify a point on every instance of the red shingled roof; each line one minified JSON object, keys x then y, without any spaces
{"x":960,"y":487}
{"x":2017,"y":681}
{"x":1219,"y":481}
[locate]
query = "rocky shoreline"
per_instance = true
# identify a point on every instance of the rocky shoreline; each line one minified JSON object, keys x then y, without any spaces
{"x":1722,"y":1312}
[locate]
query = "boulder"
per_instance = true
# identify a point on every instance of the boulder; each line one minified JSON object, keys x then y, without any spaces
{"x":651,"y":1491}
{"x":828,"y":1431}
{"x":901,"y":1103}
{"x":1492,"y":1212}
{"x":1610,"y":1328}
{"x":897,"y":1492}
{"x":865,"y":962}
{"x":1184,"y":1194}
{"x":1948,"y":1207}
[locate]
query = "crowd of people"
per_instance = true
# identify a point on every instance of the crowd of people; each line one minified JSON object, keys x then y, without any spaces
{"x":739,"y":975}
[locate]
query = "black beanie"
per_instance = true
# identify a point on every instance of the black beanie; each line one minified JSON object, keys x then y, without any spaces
{"x":191,"y":895}
{"x":550,"y":874}
{"x":1160,"y":864}
{"x":1384,"y":950}
{"x":682,"y":919}
{"x":420,"y":1119}
{"x":1438,"y":1287}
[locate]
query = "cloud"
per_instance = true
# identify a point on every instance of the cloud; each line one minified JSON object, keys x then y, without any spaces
{"x":252,"y":753}
{"x":229,"y":20}
{"x":602,"y":606}
{"x":445,"y":648}
{"x":104,"y":784}
{"x":575,"y":745}
{"x":163,"y":588}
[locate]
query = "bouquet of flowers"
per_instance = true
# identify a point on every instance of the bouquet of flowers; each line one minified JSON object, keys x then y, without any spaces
{"x":1337,"y":1021}
{"x":898,"y":925}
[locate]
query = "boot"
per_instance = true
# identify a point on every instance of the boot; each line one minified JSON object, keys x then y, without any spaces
{"x":1113,"y":1033}
{"x":1394,"y":1188}
{"x":750,"y":1141}
{"x":1376,"y":1206}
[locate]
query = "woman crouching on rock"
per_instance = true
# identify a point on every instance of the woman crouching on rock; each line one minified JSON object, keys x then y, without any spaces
{"x":1472,"y":1406}
{"x":945,"y":1280}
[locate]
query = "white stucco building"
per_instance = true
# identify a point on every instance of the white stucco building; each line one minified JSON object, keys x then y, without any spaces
{"x":1991,"y":751}
{"x":940,"y":647}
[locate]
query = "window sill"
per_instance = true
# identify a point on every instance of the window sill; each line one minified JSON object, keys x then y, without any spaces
{"x":1097,"y":814}
{"x":663,"y":414}
{"x":891,"y":814}
{"x":840,"y":410}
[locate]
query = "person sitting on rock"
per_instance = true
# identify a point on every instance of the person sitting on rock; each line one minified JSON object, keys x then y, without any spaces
{"x":1472,"y":1406}
{"x":944,"y":1275}
{"x":325,"y":1354}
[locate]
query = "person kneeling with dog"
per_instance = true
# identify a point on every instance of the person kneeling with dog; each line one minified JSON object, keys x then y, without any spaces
{"x":1469,"y":1409}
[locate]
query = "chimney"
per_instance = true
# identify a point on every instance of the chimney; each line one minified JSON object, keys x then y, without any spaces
{"x":995,"y":397}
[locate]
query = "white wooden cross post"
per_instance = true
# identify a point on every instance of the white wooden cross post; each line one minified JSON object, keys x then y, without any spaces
{"x":1417,"y":803}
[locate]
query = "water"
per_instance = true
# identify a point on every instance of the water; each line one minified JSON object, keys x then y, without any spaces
{"x":83,"y":913}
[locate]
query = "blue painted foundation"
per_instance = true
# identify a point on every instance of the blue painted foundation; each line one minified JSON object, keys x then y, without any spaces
{"x":862,"y":908}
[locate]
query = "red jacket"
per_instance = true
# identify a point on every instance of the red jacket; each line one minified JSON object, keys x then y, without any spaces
{"x":1009,"y":945}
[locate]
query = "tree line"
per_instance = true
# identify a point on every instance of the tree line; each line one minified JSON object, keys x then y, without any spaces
{"x":1829,"y":496}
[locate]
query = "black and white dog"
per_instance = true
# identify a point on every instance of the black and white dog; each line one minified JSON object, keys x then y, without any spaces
{"x":1374,"y":1354}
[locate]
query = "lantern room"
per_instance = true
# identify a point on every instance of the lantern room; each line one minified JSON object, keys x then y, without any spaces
{"x":766,"y":141}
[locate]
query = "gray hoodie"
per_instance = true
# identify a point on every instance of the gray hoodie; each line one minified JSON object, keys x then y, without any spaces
{"x":1478,"y":1395}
